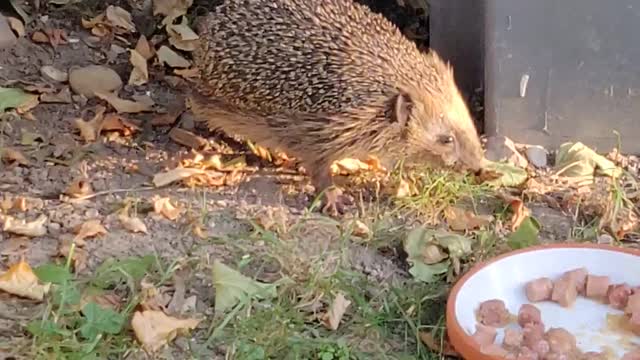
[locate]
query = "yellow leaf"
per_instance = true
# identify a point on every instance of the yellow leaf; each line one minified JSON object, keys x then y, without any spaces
{"x":88,"y":229}
{"x":164,"y":207}
{"x":120,"y":17}
{"x":332,"y":318}
{"x":172,"y":8}
{"x":21,"y":281}
{"x":176,"y":174}
{"x":89,"y":130}
{"x":154,"y":329}
{"x":133,"y":224}
{"x":140,"y":73}
{"x":21,"y":227}
{"x":171,"y":58}
{"x":122,"y":105}
{"x":144,"y":48}
{"x":17,"y":26}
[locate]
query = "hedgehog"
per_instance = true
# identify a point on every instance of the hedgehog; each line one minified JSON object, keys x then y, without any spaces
{"x":325,"y":80}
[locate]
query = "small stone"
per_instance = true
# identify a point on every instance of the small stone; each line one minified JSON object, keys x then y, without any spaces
{"x":94,"y":78}
{"x":7,"y":37}
{"x":501,"y":148}
{"x":92,"y":213}
{"x":54,"y":228}
{"x":54,"y":74}
{"x":605,"y":239}
{"x":537,"y":156}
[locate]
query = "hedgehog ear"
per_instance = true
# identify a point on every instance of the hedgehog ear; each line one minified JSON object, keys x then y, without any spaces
{"x":402,"y":106}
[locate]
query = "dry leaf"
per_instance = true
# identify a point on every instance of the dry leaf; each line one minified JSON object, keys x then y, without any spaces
{"x":21,"y":227}
{"x":120,"y":17}
{"x":144,"y":48}
{"x":133,"y":224}
{"x":154,"y":329}
{"x":332,"y":318}
{"x":462,"y":220}
{"x":105,"y":300}
{"x":404,"y":189}
{"x":14,"y":157}
{"x":189,"y":74}
{"x":56,"y":36}
{"x":79,"y":188}
{"x":359,"y":229}
{"x":115,"y":122}
{"x":79,"y":256}
{"x":88,"y":229}
{"x":166,"y":119}
{"x":122,"y":105}
{"x":31,"y":102}
{"x":139,"y":74}
{"x":187,"y":138}
{"x":63,"y":97}
{"x":39,"y":37}
{"x":444,"y":349}
{"x":171,"y":58}
{"x":174,"y":175}
{"x":21,"y":281}
{"x":182,"y":37}
{"x":171,"y":8}
{"x":17,"y":26}
{"x":432,"y":254}
{"x":89,"y":130}
{"x":520,"y":212}
{"x":349,"y":166}
{"x":20,"y":204}
{"x":164,"y":207}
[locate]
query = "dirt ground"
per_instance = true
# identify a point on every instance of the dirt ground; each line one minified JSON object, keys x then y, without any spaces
{"x":120,"y":170}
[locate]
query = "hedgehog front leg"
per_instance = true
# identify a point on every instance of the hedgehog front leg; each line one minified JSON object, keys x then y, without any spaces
{"x":334,"y":202}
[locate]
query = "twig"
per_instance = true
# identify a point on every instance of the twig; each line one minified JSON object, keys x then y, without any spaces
{"x":113,"y":191}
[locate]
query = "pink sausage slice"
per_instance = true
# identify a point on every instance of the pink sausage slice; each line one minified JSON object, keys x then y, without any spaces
{"x":597,"y":286}
{"x":539,"y":289}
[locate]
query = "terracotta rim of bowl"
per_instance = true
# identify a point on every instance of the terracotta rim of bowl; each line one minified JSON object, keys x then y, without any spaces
{"x":458,"y":338}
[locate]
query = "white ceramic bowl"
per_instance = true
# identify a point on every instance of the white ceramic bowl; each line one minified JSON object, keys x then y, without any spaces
{"x":504,"y":278}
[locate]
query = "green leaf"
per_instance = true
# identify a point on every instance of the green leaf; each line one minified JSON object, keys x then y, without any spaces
{"x":456,"y":244}
{"x":67,"y":291}
{"x":12,"y":98}
{"x":46,"y":328}
{"x":50,"y":273}
{"x":577,"y":160}
{"x":113,"y":272}
{"x":416,"y":245}
{"x":231,"y":287}
{"x":99,"y":320}
{"x":526,"y":235}
{"x":429,"y":273}
{"x":510,"y":175}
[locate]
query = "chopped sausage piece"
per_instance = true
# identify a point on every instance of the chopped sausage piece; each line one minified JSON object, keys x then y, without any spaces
{"x":494,"y":349}
{"x":529,"y":314}
{"x":512,"y":338}
{"x":527,"y":354}
{"x":597,"y":286}
{"x":632,"y":355}
{"x":484,"y":335}
{"x":561,"y":341}
{"x":532,"y":334}
{"x":541,"y":348}
{"x":579,"y":277}
{"x":618,"y":295}
{"x":564,"y":292}
{"x":539,"y":289}
{"x":493,"y":313}
{"x":633,"y":304}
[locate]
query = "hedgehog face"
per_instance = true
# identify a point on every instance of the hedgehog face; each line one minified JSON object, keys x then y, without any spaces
{"x":440,"y":131}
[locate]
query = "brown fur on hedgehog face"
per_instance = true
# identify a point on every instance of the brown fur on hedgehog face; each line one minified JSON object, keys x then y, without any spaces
{"x":438,"y":126}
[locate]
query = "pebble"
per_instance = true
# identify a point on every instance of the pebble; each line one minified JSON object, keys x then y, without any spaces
{"x":54,"y":74}
{"x":54,"y":228}
{"x":605,"y":239}
{"x":537,"y":156}
{"x":7,"y":37}
{"x":94,"y":78}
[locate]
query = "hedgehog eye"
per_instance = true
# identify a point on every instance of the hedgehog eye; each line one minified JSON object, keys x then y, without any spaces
{"x":445,"y":139}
